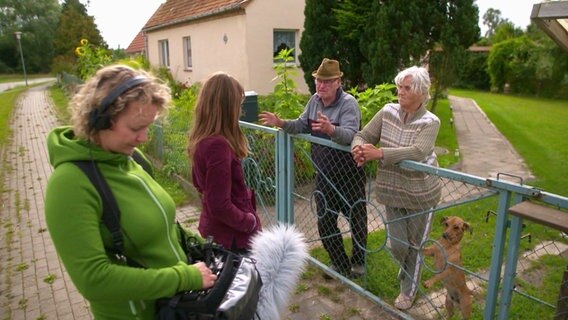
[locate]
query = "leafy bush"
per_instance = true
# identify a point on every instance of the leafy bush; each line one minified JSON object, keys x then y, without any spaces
{"x":473,"y":74}
{"x":526,"y":66}
{"x":176,"y":87}
{"x":169,"y":136}
{"x":270,"y":103}
{"x":373,"y":99}
{"x":136,"y":62}
{"x":62,"y":64}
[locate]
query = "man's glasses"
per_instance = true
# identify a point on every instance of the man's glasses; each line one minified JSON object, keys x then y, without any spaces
{"x":325,"y":82}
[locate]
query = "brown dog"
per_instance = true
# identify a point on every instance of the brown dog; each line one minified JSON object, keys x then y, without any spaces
{"x":446,"y":254}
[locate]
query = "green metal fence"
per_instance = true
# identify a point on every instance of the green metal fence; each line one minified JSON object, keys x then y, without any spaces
{"x":513,"y":267}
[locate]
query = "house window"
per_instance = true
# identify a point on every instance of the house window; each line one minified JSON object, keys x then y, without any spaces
{"x":284,"y":39}
{"x":187,"y":52}
{"x":164,"y":53}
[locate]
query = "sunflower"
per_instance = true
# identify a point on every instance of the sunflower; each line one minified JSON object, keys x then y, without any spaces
{"x":84,"y":42}
{"x":79,"y":51}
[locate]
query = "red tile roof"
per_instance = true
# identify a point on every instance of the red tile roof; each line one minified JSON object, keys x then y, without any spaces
{"x":479,"y":48}
{"x":138,"y":44}
{"x":178,"y":11}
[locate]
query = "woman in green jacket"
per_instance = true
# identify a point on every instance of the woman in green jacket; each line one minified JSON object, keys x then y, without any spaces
{"x":111,"y":115}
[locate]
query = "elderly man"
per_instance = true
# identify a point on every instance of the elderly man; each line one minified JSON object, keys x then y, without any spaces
{"x":334,"y":114}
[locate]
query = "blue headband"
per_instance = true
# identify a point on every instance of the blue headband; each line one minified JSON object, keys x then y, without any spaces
{"x":120,"y":89}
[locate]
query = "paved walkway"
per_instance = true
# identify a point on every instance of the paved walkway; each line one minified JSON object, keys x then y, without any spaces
{"x":485,"y":152}
{"x":33,"y":283}
{"x":28,"y":261}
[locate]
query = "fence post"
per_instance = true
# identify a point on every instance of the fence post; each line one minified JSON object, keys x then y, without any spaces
{"x":159,"y":142}
{"x":284,"y":173}
{"x":497,"y":254}
{"x":511,"y":263}
{"x":562,"y":304}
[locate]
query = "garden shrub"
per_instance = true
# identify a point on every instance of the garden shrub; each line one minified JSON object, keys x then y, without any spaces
{"x":373,"y":99}
{"x":514,"y":62}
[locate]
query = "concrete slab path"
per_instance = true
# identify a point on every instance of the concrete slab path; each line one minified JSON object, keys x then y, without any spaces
{"x":484,"y":151}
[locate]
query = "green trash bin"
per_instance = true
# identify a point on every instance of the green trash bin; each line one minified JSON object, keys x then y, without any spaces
{"x":250,"y":107}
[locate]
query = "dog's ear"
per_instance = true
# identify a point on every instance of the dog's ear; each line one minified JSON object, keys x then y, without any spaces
{"x":467,"y":227}
{"x":443,"y":220}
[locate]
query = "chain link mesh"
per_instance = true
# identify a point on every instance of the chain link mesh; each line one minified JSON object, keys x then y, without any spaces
{"x":339,"y":212}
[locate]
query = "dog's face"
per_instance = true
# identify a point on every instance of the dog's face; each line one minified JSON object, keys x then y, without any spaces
{"x":454,"y":229}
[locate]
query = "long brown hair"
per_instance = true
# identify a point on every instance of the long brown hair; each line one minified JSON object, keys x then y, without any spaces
{"x":217,"y":112}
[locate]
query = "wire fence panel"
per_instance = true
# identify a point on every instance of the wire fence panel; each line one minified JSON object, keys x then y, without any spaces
{"x":260,"y":173}
{"x":327,"y":202}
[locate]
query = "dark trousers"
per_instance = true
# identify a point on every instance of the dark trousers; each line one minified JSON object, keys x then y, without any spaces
{"x":342,"y":194}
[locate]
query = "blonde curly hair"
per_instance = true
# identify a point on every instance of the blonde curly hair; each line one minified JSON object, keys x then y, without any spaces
{"x":92,"y":93}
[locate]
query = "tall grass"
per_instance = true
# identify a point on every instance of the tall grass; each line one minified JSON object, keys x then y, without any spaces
{"x":537,"y":129}
{"x":60,"y":101}
{"x":7,"y":104}
{"x":446,"y":140}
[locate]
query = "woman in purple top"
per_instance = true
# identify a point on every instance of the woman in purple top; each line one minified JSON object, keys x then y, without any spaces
{"x":216,"y":148}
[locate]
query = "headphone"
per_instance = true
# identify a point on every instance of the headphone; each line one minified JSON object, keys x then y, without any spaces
{"x":100,"y":118}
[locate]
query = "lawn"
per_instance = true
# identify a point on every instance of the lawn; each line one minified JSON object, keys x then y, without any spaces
{"x":537,"y":128}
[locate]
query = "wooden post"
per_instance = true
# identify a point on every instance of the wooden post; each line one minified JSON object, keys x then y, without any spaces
{"x":562,"y":304}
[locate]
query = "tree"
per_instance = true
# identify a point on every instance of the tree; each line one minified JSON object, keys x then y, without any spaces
{"x":473,"y":72}
{"x":351,"y":18}
{"x":458,"y":31}
{"x":434,"y":33}
{"x":397,"y":35}
{"x":75,"y":24}
{"x":552,"y":66}
{"x":505,"y":30}
{"x":319,"y":40}
{"x":529,"y":64}
{"x":491,"y":19}
{"x":37,"y":21}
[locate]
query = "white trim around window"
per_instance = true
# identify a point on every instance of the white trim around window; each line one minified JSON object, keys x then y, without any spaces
{"x":187,"y":56}
{"x":164,"y":53}
{"x":285,"y":39}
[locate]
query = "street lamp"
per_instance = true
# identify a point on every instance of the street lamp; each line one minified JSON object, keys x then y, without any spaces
{"x":18,"y":36}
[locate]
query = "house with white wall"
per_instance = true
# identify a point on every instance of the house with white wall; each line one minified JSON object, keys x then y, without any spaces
{"x":196,"y":38}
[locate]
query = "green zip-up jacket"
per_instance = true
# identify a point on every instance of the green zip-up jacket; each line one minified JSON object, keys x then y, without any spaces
{"x":73,"y":210}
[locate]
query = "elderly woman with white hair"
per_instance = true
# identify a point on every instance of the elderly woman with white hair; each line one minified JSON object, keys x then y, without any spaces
{"x":404,"y":131}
